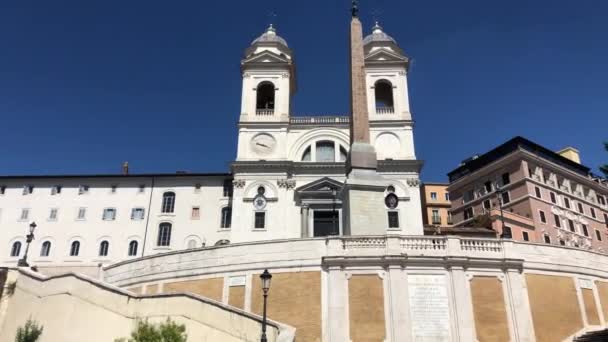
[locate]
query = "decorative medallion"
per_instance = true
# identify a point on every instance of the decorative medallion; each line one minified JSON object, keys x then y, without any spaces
{"x":391,"y":200}
{"x":259,"y":202}
{"x":238,"y":183}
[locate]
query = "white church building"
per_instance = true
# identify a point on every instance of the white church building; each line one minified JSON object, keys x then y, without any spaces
{"x":283,"y":184}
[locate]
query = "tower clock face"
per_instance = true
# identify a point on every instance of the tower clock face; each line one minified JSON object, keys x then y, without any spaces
{"x":263,"y":144}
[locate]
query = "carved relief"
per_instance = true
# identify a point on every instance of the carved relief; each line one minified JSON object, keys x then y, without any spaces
{"x":288,"y":184}
{"x":413,"y":182}
{"x":238,"y":183}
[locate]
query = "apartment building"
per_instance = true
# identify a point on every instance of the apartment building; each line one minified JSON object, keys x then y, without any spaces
{"x":531,"y":193}
{"x":435,"y":204}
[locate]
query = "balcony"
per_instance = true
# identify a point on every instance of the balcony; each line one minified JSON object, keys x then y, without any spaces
{"x":315,"y":120}
{"x":385,"y":110}
{"x":264,"y":112}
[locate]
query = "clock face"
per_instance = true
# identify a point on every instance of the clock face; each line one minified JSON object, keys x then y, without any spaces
{"x":263,"y":143}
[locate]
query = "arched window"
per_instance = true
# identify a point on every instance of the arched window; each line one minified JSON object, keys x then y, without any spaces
{"x":133,"y":248}
{"x":16,"y":249}
{"x":265,"y":98}
{"x":75,"y":248}
{"x":325,"y":151}
{"x":226,"y":217}
{"x":45,"y":251}
{"x":307,"y":155}
{"x":164,"y":234}
{"x":104,"y":246}
{"x":191,"y":244}
{"x":384,"y":97}
{"x":343,"y":154}
{"x":168,"y":202}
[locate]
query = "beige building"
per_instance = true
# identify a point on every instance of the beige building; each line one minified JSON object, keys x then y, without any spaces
{"x":436,"y":204}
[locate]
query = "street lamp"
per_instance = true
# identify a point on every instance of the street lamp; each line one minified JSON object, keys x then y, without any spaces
{"x":23,"y":261}
{"x":499,"y":192}
{"x":266,"y":277}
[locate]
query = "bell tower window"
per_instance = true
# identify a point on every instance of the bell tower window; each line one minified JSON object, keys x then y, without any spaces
{"x":383,"y":91}
{"x":265,"y":99}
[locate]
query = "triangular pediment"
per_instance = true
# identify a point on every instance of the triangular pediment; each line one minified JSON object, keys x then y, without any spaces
{"x":324,"y":184}
{"x":385,"y":55}
{"x":266,"y":57}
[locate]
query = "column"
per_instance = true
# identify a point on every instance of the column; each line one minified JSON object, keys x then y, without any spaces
{"x":337,"y":313}
{"x":462,"y":305}
{"x":519,"y":306}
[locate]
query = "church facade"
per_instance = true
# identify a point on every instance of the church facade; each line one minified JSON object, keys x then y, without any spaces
{"x":285,"y":182}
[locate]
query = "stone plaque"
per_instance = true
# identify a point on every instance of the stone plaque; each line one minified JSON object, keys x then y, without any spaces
{"x":429,"y":308}
{"x":237,"y":281}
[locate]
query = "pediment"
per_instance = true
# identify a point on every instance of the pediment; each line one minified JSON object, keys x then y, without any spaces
{"x":385,"y":55}
{"x":323,"y":185}
{"x":266,"y":57}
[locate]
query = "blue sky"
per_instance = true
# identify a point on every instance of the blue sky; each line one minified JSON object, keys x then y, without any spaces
{"x":86,"y":85}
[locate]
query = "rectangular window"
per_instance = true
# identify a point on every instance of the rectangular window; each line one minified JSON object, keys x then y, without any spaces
{"x":571,"y":225}
{"x":25,"y":214}
{"x":505,"y":197}
{"x":109,"y":214}
{"x":137,"y":213}
{"x":547,"y":238}
{"x":28,"y":189}
{"x":553,"y":198}
{"x":227,"y":188}
{"x":450,"y":217}
{"x":562,"y":242}
{"x":601,"y":200}
{"x":506,"y":179}
{"x":537,"y":192}
{"x":53,"y":214}
{"x":393,"y":219}
{"x":598,"y":235}
{"x":468,"y":213}
{"x":558,"y":221}
{"x":580,"y":208}
{"x":56,"y":190}
{"x":434,"y":196}
{"x":525,"y":236}
{"x":507,"y":233}
{"x":487,"y":186}
{"x":543,"y":218}
{"x":447,"y":196}
{"x":260,"y":220}
{"x":468,"y":196}
{"x":82,"y":214}
{"x":435,"y":216}
{"x":487,"y":204}
{"x":196,"y":213}
{"x":585,"y":231}
{"x":606,"y":220}
{"x":592,"y":212}
{"x":83,"y":189}
{"x":567,"y":202}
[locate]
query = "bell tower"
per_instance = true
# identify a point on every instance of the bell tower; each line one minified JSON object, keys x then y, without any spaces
{"x":269,"y":80}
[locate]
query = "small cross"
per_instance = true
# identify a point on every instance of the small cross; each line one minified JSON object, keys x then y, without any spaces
{"x":376,"y":15}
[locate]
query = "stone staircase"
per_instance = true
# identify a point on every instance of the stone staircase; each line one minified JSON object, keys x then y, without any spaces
{"x":594,"y":336}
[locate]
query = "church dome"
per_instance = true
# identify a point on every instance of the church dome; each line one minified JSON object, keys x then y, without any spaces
{"x":270,"y":36}
{"x":378,"y":35}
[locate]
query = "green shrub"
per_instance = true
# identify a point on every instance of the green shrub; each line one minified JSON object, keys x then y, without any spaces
{"x":30,"y":332}
{"x":168,"y":331}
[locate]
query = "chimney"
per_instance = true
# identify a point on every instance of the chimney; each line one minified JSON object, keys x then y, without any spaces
{"x":125,"y":169}
{"x":570,"y":153}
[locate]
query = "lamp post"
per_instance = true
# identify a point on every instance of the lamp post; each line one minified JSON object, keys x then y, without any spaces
{"x":266,"y":277}
{"x":499,"y":192}
{"x":23,"y":261}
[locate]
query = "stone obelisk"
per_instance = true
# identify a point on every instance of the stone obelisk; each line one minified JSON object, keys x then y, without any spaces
{"x":363,"y":194}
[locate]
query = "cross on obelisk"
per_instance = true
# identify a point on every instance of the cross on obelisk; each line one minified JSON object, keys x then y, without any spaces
{"x":363,"y":193}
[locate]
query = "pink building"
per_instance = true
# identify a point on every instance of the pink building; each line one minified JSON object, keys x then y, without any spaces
{"x":546,"y":197}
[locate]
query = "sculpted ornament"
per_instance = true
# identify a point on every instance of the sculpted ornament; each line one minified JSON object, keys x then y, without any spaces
{"x":413,"y":182}
{"x":288,"y":184}
{"x":238,"y":183}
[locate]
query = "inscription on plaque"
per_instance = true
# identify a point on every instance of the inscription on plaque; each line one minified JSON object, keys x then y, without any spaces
{"x":429,"y":308}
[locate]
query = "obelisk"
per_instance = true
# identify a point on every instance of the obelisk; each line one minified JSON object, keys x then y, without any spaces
{"x":363,"y":194}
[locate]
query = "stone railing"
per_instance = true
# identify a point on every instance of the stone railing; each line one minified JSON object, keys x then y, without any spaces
{"x":264,"y":112}
{"x":315,"y":120}
{"x":385,"y":110}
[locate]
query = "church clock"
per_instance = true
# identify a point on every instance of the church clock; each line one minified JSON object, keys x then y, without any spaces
{"x":263,"y":144}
